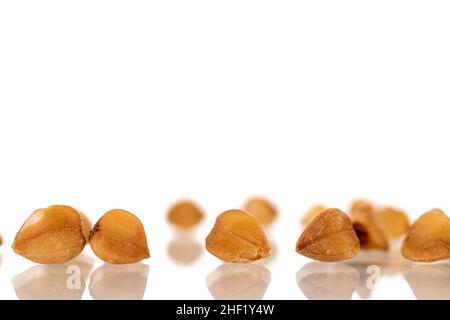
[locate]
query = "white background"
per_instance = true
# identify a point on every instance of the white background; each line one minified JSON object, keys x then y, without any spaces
{"x":133,"y":104}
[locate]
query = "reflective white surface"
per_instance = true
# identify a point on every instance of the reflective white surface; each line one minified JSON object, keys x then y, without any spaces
{"x":184,"y":270}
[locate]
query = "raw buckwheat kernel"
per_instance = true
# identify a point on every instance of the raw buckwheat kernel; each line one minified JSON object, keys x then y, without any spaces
{"x":329,"y":237}
{"x":262,"y":209}
{"x":51,"y":235}
{"x":428,"y":238}
{"x":185,"y":214}
{"x":394,"y":222}
{"x":119,"y":238}
{"x":367,"y":226}
{"x":238,"y":236}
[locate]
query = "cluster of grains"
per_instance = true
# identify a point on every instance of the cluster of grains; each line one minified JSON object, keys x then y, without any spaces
{"x":59,"y":233}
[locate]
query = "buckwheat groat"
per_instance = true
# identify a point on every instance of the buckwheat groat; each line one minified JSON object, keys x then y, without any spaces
{"x":262,"y":209}
{"x":119,"y":238}
{"x":51,"y":235}
{"x":185,"y":214}
{"x":329,"y":237}
{"x":394,"y":222}
{"x":367,"y":226}
{"x":428,"y":238}
{"x":238,"y":236}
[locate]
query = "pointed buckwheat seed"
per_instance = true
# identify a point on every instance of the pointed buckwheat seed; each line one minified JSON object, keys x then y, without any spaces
{"x":51,"y":235}
{"x":185,"y":214}
{"x":368,"y":227}
{"x":262,"y":209}
{"x":119,"y":238}
{"x":394,"y":222}
{"x":329,"y":237}
{"x":238,"y":236}
{"x":428,"y":239}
